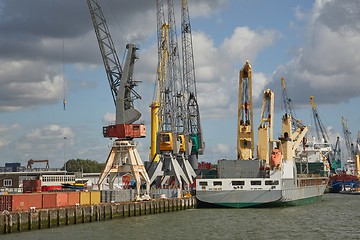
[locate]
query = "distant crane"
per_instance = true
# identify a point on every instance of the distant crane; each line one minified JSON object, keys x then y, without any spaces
{"x":353,"y":160}
{"x":245,"y":134}
{"x":288,"y":106}
{"x":321,"y":133}
{"x":336,"y":163}
{"x":347,"y":138}
{"x":123,"y":157}
{"x":323,"y":137}
{"x":32,"y":161}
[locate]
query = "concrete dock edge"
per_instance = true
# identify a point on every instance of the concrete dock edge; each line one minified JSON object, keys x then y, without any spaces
{"x":11,"y":222}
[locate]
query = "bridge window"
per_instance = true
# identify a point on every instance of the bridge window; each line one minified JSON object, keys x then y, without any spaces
{"x":269,"y":182}
{"x":217,"y":183}
{"x":203,"y":183}
{"x":255,"y":182}
{"x":238,"y":183}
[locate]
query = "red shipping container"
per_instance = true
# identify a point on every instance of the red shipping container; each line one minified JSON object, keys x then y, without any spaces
{"x":20,"y":202}
{"x":23,"y":202}
{"x":49,"y":200}
{"x":62,"y":199}
{"x":35,"y":200}
{"x":5,"y":203}
{"x":73,"y":198}
{"x":54,"y":200}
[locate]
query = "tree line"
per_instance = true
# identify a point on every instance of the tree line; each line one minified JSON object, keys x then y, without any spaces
{"x":83,"y":165}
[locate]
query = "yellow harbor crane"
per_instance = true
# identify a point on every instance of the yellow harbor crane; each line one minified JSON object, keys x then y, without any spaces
{"x":168,"y":144}
{"x":265,"y":129}
{"x":245,"y":134}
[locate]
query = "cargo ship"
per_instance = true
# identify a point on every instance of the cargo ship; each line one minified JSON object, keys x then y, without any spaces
{"x":275,"y":177}
{"x":257,"y":184}
{"x":345,"y":180}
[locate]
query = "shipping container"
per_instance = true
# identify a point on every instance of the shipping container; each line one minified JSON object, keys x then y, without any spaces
{"x":35,"y":200}
{"x":54,"y":200}
{"x":85,"y":198}
{"x":49,"y":200}
{"x":23,"y":202}
{"x":62,"y":199}
{"x":122,"y":195}
{"x":5,"y":203}
{"x":73,"y":198}
{"x":95,"y":197}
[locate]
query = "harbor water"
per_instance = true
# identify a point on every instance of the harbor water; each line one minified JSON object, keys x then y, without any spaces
{"x":337,"y":216}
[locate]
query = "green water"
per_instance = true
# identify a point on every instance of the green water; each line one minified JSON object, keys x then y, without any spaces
{"x":337,"y":216}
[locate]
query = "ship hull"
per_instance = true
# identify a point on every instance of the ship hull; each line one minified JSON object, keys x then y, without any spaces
{"x":263,"y":195}
{"x":344,"y":182}
{"x":236,"y":199}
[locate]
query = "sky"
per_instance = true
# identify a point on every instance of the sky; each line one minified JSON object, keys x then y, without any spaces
{"x":48,"y":52}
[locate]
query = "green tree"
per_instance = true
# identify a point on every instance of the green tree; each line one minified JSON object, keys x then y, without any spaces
{"x":85,"y":166}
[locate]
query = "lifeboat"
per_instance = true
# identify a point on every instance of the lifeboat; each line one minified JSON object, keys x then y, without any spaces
{"x":276,"y":158}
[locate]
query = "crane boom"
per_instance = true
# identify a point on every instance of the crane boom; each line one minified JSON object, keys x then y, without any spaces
{"x":347,"y":138}
{"x":321,"y":132}
{"x":123,"y":157}
{"x":120,"y":79}
{"x":193,"y":113}
{"x":265,"y":129}
{"x":175,"y":82}
{"x":245,"y":136}
{"x":122,"y":87}
{"x":288,"y":106}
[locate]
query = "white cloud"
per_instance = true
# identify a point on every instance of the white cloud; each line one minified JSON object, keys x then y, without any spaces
{"x":28,"y":83}
{"x":217,"y":82}
{"x":109,"y":117}
{"x":50,"y":132}
{"x":47,"y":142}
{"x":220,"y":151}
{"x":328,"y":63}
{"x":246,"y":43}
{"x":204,"y":7}
{"x":6,"y":133}
{"x":299,"y":13}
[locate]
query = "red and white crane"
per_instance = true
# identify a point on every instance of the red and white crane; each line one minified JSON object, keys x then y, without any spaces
{"x":123,"y":157}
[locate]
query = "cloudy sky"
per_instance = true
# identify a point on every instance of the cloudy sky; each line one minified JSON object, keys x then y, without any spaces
{"x":48,"y":52}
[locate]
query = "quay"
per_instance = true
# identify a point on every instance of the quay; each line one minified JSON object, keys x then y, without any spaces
{"x":11,"y":222}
